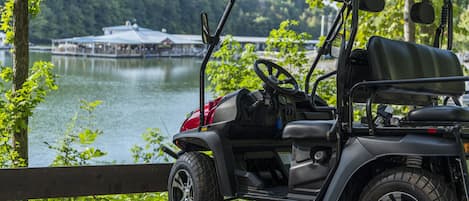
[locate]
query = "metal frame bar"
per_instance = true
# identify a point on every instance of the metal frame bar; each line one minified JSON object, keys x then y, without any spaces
{"x":345,"y":51}
{"x":316,"y":84}
{"x":369,"y":114}
{"x":213,"y":43}
{"x":370,"y":84}
{"x":336,"y":27}
{"x":455,"y":130}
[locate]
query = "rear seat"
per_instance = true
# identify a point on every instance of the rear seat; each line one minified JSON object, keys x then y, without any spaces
{"x":396,"y":60}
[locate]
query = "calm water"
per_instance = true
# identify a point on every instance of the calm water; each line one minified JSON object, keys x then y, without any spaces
{"x":137,"y":94}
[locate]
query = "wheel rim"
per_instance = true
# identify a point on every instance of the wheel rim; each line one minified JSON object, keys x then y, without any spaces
{"x":398,"y":196}
{"x":182,"y":186}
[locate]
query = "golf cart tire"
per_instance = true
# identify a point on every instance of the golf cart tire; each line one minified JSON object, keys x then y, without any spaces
{"x":203,"y":173}
{"x":418,"y":183}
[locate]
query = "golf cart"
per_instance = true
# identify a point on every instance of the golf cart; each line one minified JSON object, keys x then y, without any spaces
{"x":282,"y":143}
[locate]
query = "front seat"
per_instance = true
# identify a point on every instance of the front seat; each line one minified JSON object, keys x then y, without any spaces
{"x":312,"y":130}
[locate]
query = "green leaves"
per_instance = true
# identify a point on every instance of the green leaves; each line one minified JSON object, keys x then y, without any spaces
{"x":16,"y":106}
{"x":75,"y":148}
{"x":152,"y":150}
{"x":91,"y":153}
{"x":462,"y":36}
{"x":232,"y":68}
{"x":7,"y":20}
{"x":287,"y":47}
{"x":34,"y":7}
{"x":90,"y":106}
{"x":7,"y":16}
{"x":88,"y":136}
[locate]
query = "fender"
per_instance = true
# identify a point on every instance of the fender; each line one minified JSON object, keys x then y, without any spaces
{"x":222,"y":153}
{"x":359,"y":151}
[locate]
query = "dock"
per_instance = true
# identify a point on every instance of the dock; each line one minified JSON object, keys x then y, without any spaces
{"x":40,"y":48}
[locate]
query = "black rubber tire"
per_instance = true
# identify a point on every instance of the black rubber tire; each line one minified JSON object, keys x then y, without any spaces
{"x":202,"y":171}
{"x":418,"y":183}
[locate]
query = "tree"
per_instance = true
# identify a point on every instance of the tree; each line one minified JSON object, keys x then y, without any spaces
{"x":20,"y":70}
{"x":29,"y":86}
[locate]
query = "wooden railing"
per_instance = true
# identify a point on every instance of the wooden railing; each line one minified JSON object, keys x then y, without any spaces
{"x":35,"y":183}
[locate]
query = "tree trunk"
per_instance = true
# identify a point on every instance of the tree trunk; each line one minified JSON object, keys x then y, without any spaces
{"x":409,"y":26}
{"x":20,"y":70}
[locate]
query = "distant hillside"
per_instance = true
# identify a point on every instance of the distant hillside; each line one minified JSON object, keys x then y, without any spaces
{"x":69,"y":18}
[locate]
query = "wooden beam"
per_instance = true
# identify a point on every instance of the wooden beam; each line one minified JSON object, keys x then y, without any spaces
{"x":35,"y":183}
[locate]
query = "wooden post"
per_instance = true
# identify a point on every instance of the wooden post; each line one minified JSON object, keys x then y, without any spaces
{"x":20,"y":70}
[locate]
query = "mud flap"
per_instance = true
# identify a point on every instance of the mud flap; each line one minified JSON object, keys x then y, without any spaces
{"x":462,"y":158}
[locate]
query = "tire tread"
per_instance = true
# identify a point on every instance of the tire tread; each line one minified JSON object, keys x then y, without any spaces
{"x":430,"y":184}
{"x":203,"y":174}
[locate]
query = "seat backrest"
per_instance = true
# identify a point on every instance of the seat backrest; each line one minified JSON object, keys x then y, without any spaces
{"x":396,"y":60}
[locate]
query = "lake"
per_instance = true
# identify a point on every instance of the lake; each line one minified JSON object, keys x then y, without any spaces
{"x":137,"y":94}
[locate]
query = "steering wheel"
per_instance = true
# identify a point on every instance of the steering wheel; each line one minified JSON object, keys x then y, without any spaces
{"x":276,"y":77}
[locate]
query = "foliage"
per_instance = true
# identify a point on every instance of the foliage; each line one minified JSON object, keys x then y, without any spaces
{"x":390,"y":24}
{"x":7,"y":16}
{"x":127,"y":197}
{"x":232,"y":68}
{"x":152,"y":151}
{"x":80,"y":130}
{"x":7,"y":20}
{"x":288,"y":47}
{"x":315,"y":3}
{"x":62,"y":19}
{"x":132,"y":197}
{"x":15,"y":106}
{"x":462,"y":36}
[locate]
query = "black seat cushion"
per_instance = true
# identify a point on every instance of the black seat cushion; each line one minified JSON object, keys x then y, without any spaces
{"x":440,"y":113}
{"x":320,"y":130}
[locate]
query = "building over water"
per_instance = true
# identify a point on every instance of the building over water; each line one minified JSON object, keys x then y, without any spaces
{"x":128,"y":41}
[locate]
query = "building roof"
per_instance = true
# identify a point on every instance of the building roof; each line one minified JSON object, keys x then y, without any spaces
{"x":133,"y":37}
{"x":125,"y":28}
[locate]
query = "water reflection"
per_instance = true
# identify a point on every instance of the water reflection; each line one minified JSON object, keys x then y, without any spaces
{"x":163,"y":70}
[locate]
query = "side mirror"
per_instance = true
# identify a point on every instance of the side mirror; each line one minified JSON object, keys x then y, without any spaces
{"x":206,"y":37}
